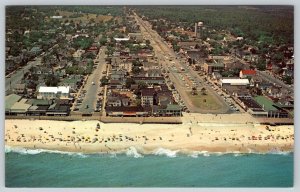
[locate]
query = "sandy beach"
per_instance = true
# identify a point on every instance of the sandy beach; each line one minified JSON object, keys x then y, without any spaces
{"x":89,"y":137}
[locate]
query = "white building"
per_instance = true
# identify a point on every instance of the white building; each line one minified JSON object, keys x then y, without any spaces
{"x":60,"y":92}
{"x":56,"y":17}
{"x":234,"y":82}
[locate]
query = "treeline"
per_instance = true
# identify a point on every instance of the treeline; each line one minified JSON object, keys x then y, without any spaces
{"x":251,"y":22}
{"x":100,"y":10}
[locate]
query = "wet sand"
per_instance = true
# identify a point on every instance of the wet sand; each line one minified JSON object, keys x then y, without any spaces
{"x":87,"y":137}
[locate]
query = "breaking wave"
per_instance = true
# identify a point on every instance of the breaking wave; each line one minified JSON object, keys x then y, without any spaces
{"x":24,"y":151}
{"x":133,"y":152}
{"x":166,"y":152}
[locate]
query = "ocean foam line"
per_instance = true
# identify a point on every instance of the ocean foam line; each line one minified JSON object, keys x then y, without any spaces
{"x":25,"y":151}
{"x":133,"y":152}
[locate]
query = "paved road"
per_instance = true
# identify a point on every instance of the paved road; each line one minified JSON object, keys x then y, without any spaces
{"x":272,"y":79}
{"x":164,"y":53}
{"x":92,"y":91}
{"x":18,"y":75}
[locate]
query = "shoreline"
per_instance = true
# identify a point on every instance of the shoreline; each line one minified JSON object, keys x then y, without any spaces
{"x":84,"y":137}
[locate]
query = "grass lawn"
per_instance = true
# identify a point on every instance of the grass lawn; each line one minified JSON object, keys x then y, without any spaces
{"x":206,"y":102}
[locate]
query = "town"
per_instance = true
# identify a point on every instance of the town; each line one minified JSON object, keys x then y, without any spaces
{"x":123,"y":62}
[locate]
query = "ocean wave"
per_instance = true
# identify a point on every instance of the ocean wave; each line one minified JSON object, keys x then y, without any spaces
{"x":132,"y":152}
{"x":24,"y":151}
{"x":166,"y":152}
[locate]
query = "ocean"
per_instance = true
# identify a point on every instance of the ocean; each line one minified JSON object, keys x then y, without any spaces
{"x":164,"y":168}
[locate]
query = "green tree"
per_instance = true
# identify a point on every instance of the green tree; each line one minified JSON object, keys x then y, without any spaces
{"x":129,"y":82}
{"x":51,"y":80}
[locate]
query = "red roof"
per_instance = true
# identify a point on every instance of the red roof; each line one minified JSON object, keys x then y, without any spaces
{"x":249,"y":72}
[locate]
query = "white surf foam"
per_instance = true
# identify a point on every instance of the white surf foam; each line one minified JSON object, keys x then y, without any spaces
{"x":25,"y":151}
{"x":132,"y":152}
{"x":166,"y":152}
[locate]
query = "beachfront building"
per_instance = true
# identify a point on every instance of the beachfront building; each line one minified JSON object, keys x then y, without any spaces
{"x":15,"y":105}
{"x":170,"y":110}
{"x":60,"y":92}
{"x":147,"y":96}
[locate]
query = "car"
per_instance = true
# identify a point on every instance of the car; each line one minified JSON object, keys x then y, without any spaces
{"x":93,"y":83}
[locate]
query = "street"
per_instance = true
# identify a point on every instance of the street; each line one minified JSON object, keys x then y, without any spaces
{"x":18,"y":75}
{"x":92,"y":86}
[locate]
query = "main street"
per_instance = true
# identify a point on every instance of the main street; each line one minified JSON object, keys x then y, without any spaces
{"x":164,"y":55}
{"x":92,"y":86}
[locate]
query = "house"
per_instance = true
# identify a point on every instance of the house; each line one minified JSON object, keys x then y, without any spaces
{"x":136,"y":36}
{"x":60,"y":92}
{"x":164,"y":98}
{"x":73,"y":82}
{"x":247,"y":73}
{"x":41,"y":70}
{"x":118,"y":75}
{"x":147,"y":96}
{"x":153,"y":73}
{"x":19,"y":88}
{"x":77,"y":55}
{"x":114,"y":101}
{"x":235,"y":65}
{"x":195,"y":54}
{"x":216,"y":75}
{"x":125,"y":101}
{"x":115,"y":84}
{"x":209,"y":68}
{"x":150,"y":65}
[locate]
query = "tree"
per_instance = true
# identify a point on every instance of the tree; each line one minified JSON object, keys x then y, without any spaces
{"x":104,"y":81}
{"x":136,"y":70}
{"x":142,"y":85}
{"x":51,"y":80}
{"x":129,"y":82}
{"x":203,"y":91}
{"x":287,"y":80}
{"x":194,"y":91}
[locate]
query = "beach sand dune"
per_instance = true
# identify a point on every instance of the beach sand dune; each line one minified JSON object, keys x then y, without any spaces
{"x":89,"y":137}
